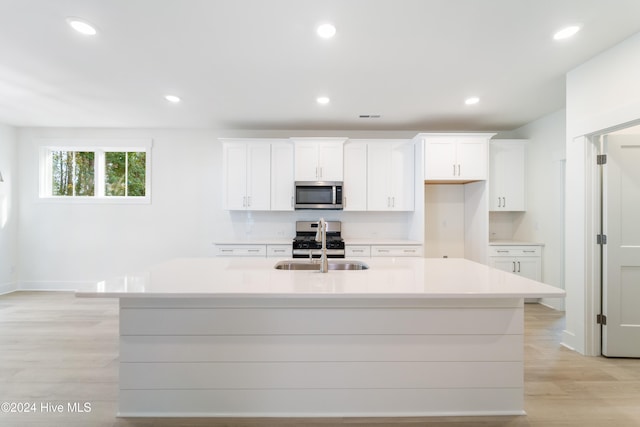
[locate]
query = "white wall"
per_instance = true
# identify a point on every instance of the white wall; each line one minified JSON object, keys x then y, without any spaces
{"x":64,"y":246}
{"x":543,"y":220}
{"x":8,"y":209}
{"x":602,"y":93}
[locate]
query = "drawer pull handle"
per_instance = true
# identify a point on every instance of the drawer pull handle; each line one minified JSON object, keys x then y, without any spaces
{"x":503,"y":252}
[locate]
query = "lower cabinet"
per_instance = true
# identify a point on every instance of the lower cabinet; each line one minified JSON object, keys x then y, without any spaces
{"x":254,"y":250}
{"x":241,"y":250}
{"x":354,"y":251}
{"x":524,"y":261}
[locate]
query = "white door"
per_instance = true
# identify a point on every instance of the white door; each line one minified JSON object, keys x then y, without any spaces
{"x":621,"y":296}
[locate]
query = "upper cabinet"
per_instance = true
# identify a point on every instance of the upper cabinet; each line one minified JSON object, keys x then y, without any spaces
{"x":455,"y":157}
{"x":319,"y":159}
{"x":507,"y":175}
{"x":390,"y":175}
{"x":282,"y":187}
{"x":354,"y":190}
{"x":247,"y":174}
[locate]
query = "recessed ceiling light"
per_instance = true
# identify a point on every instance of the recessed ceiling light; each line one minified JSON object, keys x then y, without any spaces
{"x":326,"y":31}
{"x":82,"y":26}
{"x":565,"y":33}
{"x":172,"y":98}
{"x":323,"y":100}
{"x":472,"y":100}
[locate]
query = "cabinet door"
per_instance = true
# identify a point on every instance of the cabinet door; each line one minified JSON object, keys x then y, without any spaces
{"x":507,"y":171}
{"x":529,"y":267}
{"x":258,"y":169}
{"x":471,"y":158}
{"x":354,"y":191}
{"x":402,"y":176}
{"x":282,"y":179}
{"x":378,"y":177}
{"x":503,"y":263}
{"x":306,"y":161}
{"x":235,"y":175}
{"x":330,"y":161}
{"x":440,"y":158}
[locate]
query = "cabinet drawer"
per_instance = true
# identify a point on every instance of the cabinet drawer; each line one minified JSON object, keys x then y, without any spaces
{"x":511,"y":251}
{"x":241,"y":250}
{"x":282,"y":251}
{"x":351,"y":251}
{"x":396,"y":251}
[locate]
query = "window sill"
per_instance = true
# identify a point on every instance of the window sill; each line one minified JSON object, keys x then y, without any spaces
{"x":96,"y":200}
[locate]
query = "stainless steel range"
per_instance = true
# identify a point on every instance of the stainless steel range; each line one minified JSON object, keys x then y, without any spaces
{"x":305,"y":241}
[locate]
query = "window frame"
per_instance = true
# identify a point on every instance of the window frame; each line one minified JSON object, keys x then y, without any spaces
{"x":99,"y":147}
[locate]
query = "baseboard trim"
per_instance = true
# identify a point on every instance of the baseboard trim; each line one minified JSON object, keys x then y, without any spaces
{"x":7,"y":288}
{"x":568,"y":338}
{"x":57,"y":286}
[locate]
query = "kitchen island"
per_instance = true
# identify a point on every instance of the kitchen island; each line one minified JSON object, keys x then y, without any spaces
{"x":236,"y":337}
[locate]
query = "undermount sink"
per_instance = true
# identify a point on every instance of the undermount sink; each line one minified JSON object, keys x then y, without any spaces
{"x":315,"y":265}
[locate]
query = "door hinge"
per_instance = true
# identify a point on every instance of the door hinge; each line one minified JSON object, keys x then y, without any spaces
{"x":601,"y":159}
{"x":601,"y":319}
{"x":601,"y":239}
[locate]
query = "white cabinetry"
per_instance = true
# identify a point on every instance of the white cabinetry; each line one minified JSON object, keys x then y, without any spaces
{"x":282,"y":176}
{"x":241,"y":250}
{"x":279,"y":251}
{"x":524,"y":261}
{"x":247,"y":175}
{"x":354,"y":251}
{"x":455,"y":157}
{"x":390,"y":175}
{"x":395,"y":250}
{"x":318,"y":159}
{"x":507,"y":175}
{"x":354,"y":191}
{"x":254,"y":250}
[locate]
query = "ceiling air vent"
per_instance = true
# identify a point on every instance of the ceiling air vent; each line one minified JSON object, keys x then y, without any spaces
{"x":369,"y":116}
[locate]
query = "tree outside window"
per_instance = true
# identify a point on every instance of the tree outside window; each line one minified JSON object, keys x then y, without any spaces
{"x":73,"y":173}
{"x":125,"y":173}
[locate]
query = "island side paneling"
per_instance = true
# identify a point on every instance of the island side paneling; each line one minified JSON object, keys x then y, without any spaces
{"x":299,"y":357}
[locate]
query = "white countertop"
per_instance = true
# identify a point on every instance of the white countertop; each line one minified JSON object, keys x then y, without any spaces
{"x":386,"y":278}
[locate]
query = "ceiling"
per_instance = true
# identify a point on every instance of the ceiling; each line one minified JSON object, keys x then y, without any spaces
{"x":258,"y":64}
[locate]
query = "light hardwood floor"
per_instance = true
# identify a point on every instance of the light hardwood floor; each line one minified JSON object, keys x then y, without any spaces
{"x":58,"y":349}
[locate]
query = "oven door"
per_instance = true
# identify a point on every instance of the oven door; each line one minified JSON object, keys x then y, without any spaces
{"x":318,"y":195}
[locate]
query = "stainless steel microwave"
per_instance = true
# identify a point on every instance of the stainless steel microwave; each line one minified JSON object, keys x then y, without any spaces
{"x":318,"y":195}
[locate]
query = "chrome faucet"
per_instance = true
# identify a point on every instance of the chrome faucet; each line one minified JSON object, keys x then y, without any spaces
{"x":321,"y":236}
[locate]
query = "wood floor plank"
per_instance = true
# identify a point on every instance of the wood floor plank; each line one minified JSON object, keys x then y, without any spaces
{"x":55,"y":348}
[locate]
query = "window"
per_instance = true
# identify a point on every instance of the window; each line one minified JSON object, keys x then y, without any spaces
{"x":96,"y":173}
